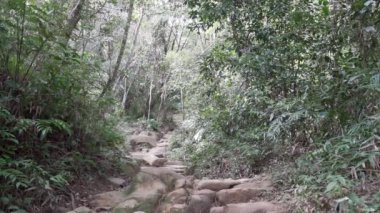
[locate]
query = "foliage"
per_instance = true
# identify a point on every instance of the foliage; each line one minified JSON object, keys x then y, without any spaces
{"x":292,"y":80}
{"x":52,"y":128}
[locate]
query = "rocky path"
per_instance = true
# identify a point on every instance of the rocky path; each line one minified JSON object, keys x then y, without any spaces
{"x":161,"y":186}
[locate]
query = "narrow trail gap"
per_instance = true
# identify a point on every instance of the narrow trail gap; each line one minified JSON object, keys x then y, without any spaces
{"x":163,"y":185}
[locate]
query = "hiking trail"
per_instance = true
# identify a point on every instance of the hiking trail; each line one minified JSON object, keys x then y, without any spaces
{"x":162,"y":186}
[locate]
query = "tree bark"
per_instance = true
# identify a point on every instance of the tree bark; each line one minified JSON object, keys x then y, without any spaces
{"x":150,"y":96}
{"x":114,"y":74}
{"x":129,"y":59}
{"x":73,"y":19}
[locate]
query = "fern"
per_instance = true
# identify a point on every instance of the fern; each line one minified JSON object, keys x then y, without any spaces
{"x":55,"y":123}
{"x":44,"y":128}
{"x":286,"y":121}
{"x":8,"y":136}
{"x":23,"y":125}
{"x":5,"y":114}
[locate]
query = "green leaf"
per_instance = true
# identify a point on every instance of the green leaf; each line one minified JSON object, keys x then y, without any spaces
{"x":331,"y":186}
{"x":325,"y":10}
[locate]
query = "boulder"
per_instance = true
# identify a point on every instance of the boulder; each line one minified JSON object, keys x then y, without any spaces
{"x":156,"y":135}
{"x":177,"y":208}
{"x":128,"y":205}
{"x":158,"y":151}
{"x":150,"y":159}
{"x":177,"y":168}
{"x":137,"y":140}
{"x":144,"y":195}
{"x":184,"y":183}
{"x":154,"y":161}
{"x":243,"y":192}
{"x":165,"y":175}
{"x":199,"y":204}
{"x":217,"y":210}
{"x":108,"y":199}
{"x":172,"y":208}
{"x":163,"y":144}
{"x":174,"y":162}
{"x":216,"y":185}
{"x":116,"y":181}
{"x":238,"y":195}
{"x":178,"y":196}
{"x":81,"y":209}
{"x":257,"y":207}
{"x":206,"y":192}
{"x":266,"y":184}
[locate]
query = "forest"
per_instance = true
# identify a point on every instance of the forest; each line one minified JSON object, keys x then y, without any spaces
{"x":286,"y":90}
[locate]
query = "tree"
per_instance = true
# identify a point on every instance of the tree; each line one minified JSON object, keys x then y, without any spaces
{"x":288,"y":74}
{"x":113,"y":75}
{"x":73,"y":18}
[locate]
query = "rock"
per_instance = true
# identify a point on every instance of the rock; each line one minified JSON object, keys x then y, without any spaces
{"x":128,"y":204}
{"x":149,"y":158}
{"x":116,"y":181}
{"x":174,"y":163}
{"x":158,"y":151}
{"x":138,"y":155}
{"x":246,"y":180}
{"x":103,"y":210}
{"x":130,"y":168}
{"x":57,"y":209}
{"x":199,"y":204}
{"x":184,"y":183}
{"x":144,"y":196}
{"x":217,"y":210}
{"x":136,"y":140}
{"x":177,"y":208}
{"x":178,"y":196}
{"x":256,"y":185}
{"x":180,"y":183}
{"x":206,"y":192}
{"x":171,"y":208}
{"x":238,"y":195}
{"x":108,"y":199}
{"x":257,"y":207}
{"x":216,"y":185}
{"x":81,"y":209}
{"x":163,"y":144}
{"x":243,"y":192}
{"x":156,"y":135}
{"x":165,"y":175}
{"x":154,"y":161}
{"x":177,"y":168}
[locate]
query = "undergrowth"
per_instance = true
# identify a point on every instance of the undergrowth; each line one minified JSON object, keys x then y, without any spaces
{"x":53,"y":129}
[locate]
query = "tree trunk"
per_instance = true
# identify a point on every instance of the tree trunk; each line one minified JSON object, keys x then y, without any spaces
{"x":73,"y":19}
{"x":150,"y":96}
{"x":182,"y":105}
{"x":115,"y":71}
{"x":129,"y":60}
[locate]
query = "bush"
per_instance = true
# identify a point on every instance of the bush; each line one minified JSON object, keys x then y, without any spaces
{"x":52,"y":127}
